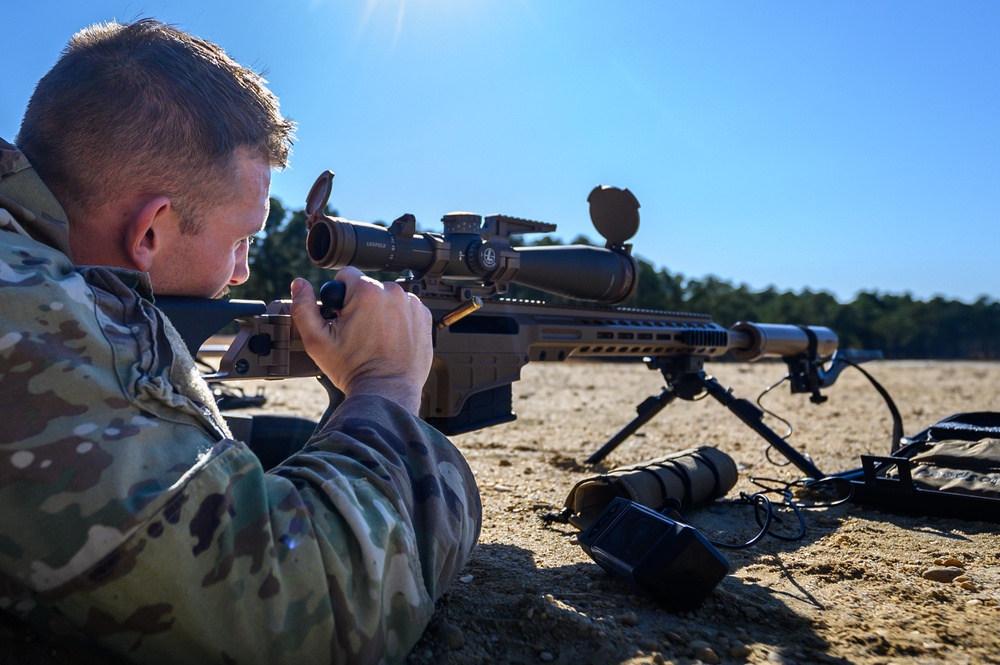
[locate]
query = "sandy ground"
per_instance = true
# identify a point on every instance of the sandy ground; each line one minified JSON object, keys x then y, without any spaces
{"x":852,"y":591}
{"x":855,"y":589}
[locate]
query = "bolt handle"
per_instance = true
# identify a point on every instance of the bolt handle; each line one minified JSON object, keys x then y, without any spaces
{"x":331,"y":297}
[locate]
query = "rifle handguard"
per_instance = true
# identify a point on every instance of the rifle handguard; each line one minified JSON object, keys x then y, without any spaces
{"x":689,"y":477}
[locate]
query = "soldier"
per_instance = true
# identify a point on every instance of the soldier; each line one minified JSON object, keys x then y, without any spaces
{"x":128,"y":513}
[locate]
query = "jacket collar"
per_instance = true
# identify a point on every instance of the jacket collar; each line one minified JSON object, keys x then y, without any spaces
{"x":28,"y":202}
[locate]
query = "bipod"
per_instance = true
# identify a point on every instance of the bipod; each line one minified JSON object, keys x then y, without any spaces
{"x":686,"y":379}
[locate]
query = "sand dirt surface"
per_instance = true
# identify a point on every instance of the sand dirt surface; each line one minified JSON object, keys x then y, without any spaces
{"x":861,"y":586}
{"x":855,"y":589}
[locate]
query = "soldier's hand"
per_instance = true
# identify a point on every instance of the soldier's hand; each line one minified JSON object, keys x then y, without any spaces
{"x":379,"y":344}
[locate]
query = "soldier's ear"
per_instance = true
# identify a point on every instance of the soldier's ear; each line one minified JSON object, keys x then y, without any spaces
{"x":146,"y":231}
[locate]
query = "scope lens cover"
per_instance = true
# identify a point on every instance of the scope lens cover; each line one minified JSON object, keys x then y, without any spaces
{"x":614,"y":212}
{"x":319,"y":194}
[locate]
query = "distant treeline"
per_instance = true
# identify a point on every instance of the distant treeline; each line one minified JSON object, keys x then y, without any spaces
{"x":899,"y":325}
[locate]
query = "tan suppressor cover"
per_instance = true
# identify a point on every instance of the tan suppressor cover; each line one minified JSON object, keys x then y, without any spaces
{"x":691,"y":477}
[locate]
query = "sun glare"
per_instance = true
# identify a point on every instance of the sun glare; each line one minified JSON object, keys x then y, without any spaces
{"x":375,"y":9}
{"x":390,"y":17}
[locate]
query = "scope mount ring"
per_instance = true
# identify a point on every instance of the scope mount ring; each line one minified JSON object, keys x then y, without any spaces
{"x":435,"y":286}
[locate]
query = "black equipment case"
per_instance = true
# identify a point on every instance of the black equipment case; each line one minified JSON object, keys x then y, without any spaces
{"x":910,"y":482}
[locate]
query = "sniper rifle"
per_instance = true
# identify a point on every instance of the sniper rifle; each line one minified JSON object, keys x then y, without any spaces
{"x":483,"y":339}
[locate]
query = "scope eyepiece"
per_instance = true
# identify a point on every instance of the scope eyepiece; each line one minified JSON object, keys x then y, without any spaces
{"x":329,"y":246}
{"x":336,"y":243}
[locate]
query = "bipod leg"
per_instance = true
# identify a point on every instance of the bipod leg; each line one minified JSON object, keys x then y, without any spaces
{"x":753,"y":417}
{"x":646,"y":410}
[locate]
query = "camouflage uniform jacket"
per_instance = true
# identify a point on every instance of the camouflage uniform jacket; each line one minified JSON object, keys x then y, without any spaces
{"x":127,"y":512}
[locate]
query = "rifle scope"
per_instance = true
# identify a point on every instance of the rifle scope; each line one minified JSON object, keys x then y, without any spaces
{"x":476,"y":250}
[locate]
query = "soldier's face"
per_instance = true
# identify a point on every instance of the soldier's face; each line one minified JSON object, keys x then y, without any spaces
{"x":209,"y":263}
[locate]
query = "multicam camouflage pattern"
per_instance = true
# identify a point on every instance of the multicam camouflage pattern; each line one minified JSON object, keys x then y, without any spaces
{"x":128,"y":514}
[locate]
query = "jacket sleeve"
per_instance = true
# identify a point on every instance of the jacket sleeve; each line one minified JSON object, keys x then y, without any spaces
{"x":336,"y":556}
{"x":126,"y":515}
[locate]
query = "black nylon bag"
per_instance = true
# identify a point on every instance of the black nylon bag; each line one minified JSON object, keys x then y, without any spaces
{"x":950,"y":469}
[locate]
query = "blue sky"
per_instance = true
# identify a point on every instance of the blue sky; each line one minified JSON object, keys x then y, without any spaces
{"x":837,"y":146}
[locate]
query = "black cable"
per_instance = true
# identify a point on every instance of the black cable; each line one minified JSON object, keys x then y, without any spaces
{"x":897,"y":419}
{"x":788,"y":425}
{"x":756,"y":500}
{"x":774,"y":415}
{"x":764,"y":514}
{"x":816,"y":486}
{"x":561,"y":517}
{"x":798,"y":514}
